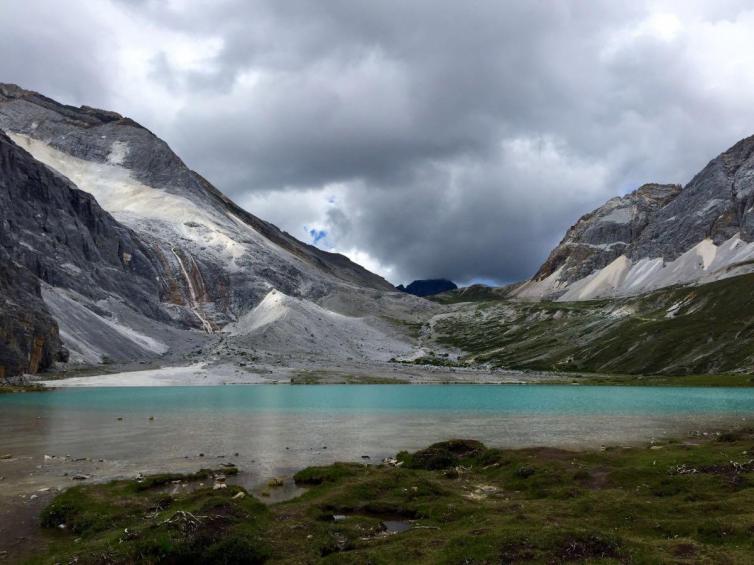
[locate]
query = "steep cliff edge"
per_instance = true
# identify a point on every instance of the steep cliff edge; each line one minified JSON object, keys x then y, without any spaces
{"x":53,"y":235}
{"x":29,"y":340}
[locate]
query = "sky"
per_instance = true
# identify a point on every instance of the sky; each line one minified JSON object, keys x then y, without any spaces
{"x":422,"y":138}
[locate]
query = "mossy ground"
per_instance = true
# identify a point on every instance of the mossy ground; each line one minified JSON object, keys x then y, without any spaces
{"x":680,"y":502}
{"x":317,"y":377}
{"x":731,"y":380}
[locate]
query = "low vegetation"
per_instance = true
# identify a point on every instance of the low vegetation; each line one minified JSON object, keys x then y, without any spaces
{"x":332,"y":377}
{"x":700,"y":330}
{"x":455,"y":502}
{"x":7,"y":388}
{"x":736,"y":380}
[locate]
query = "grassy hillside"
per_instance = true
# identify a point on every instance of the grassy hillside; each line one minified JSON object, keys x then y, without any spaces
{"x":707,"y":329}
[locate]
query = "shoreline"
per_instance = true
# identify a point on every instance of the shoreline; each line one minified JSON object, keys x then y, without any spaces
{"x":512,"y":492}
{"x":214,"y":373}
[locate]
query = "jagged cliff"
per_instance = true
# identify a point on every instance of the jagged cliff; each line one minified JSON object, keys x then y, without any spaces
{"x":658,"y":236}
{"x":54,"y":235}
{"x":29,"y":339}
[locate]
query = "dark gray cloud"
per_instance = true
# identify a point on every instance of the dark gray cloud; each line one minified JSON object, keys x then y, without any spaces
{"x":425,"y":138}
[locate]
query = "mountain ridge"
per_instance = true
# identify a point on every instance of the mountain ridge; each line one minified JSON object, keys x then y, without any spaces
{"x":658,"y":235}
{"x":165,"y":253}
{"x":159,"y":158}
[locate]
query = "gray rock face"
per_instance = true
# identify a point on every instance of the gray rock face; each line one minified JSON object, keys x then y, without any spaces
{"x":53,"y":233}
{"x":128,"y":247}
{"x":89,"y":134}
{"x":29,"y":339}
{"x":61,"y":235}
{"x":716,"y":204}
{"x":607,"y":232}
{"x":660,"y":222}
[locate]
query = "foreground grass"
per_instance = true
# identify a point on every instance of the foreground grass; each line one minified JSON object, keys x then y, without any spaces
{"x":460,"y":502}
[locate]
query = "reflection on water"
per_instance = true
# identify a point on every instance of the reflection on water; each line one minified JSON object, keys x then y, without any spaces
{"x":277,"y":429}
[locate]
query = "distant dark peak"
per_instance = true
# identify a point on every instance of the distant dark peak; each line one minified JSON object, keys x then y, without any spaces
{"x":428,"y":287}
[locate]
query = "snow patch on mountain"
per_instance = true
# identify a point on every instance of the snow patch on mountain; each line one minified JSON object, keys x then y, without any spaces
{"x":118,"y":153}
{"x":132,"y":202}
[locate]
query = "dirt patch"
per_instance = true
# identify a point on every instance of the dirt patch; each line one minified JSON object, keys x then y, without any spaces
{"x":594,"y":479}
{"x":20,"y":533}
{"x":684,"y":550}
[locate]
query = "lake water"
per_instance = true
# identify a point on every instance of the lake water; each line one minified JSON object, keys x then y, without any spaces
{"x":276,"y":429}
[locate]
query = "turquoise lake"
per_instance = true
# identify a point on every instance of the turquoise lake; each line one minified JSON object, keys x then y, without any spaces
{"x":548,"y":399}
{"x":273,"y":429}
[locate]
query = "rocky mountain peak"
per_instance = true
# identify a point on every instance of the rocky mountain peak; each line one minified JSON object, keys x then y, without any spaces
{"x":130,"y":247}
{"x":428,"y":287}
{"x":738,"y":155}
{"x":85,"y":116}
{"x":659,"y":235}
{"x":600,"y":236}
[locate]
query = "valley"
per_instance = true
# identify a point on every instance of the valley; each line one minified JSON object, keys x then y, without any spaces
{"x":152,"y":268}
{"x":376,"y":283}
{"x":155,"y":333}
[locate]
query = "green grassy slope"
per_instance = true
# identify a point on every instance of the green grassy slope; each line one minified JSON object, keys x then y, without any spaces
{"x":707,"y":329}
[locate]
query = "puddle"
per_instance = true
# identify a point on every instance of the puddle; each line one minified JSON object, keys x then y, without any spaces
{"x":272,"y":494}
{"x":395,"y":526}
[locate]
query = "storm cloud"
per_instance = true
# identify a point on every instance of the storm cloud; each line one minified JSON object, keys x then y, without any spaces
{"x":422,"y":138}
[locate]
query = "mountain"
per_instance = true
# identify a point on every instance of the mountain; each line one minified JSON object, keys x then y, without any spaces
{"x":56,"y":241}
{"x":134,"y":254}
{"x":658,"y":236}
{"x":428,"y":287}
